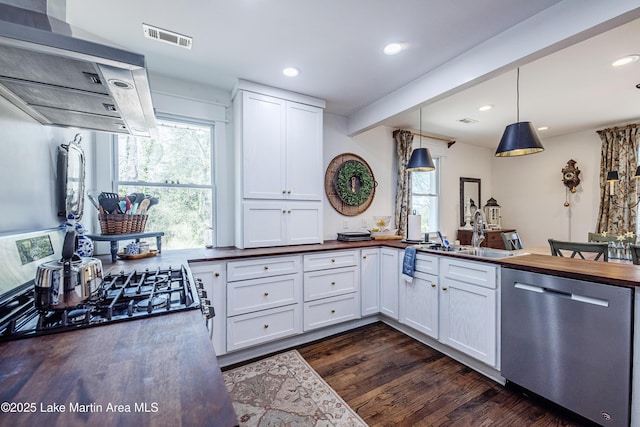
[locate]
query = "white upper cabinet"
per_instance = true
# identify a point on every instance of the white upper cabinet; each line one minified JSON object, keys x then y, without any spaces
{"x":281,"y":149}
{"x":279,"y":172}
{"x":263,"y":146}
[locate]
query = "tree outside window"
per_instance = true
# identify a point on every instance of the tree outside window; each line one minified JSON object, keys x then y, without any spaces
{"x":176,"y":167}
{"x":425,"y":193}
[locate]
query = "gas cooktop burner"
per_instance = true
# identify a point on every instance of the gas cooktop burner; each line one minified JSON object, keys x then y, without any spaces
{"x":123,"y":296}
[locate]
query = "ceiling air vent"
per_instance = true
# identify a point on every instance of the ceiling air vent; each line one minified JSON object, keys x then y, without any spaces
{"x":468,"y":121}
{"x":167,"y":36}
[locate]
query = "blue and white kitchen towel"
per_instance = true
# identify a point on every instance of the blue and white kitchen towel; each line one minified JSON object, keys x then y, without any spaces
{"x":409,"y":263}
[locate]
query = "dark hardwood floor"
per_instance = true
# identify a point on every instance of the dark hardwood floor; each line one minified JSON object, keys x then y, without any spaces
{"x":390,"y":379}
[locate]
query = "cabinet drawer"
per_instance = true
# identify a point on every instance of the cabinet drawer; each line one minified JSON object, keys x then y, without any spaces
{"x":475,"y":273}
{"x":324,"y":260}
{"x":330,"y":311}
{"x":427,"y":263}
{"x":256,"y":328}
{"x":322,"y":284}
{"x":260,"y":294}
{"x":262,"y":267}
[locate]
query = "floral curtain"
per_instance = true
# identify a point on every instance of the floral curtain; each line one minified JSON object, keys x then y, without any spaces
{"x":404,"y":146}
{"x":619,"y":153}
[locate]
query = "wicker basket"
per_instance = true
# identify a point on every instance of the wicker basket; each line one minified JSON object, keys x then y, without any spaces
{"x":122,"y":223}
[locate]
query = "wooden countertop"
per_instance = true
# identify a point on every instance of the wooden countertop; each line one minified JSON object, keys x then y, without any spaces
{"x":620,"y":274}
{"x":165,"y":365}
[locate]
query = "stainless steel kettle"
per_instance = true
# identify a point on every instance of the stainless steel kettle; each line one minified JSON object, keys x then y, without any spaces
{"x":68,"y":282}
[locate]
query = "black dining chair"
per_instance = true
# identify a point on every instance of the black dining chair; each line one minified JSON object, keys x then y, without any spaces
{"x":635,"y":253}
{"x":563,"y":248}
{"x":511,"y":240}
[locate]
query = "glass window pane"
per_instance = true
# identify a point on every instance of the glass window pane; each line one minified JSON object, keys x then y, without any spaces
{"x":184,"y":214}
{"x":179,"y":155}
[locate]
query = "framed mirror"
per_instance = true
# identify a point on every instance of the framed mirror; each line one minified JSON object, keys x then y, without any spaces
{"x":71,"y":170}
{"x":469,"y":192}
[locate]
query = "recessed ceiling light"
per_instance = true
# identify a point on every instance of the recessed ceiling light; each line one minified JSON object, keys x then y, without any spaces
{"x":291,"y":71}
{"x":625,"y":60}
{"x":392,"y":48}
{"x":543,"y":128}
{"x":485,"y":107}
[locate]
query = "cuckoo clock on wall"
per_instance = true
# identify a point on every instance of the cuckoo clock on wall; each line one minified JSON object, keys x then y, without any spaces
{"x":570,"y":178}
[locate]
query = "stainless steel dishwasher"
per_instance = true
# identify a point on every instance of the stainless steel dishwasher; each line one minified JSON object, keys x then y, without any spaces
{"x":569,"y":341}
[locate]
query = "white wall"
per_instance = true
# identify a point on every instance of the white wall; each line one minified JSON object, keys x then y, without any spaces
{"x":532,"y":195}
{"x":28,"y":170}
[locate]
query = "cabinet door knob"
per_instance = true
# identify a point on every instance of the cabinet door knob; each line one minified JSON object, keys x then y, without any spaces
{"x":266,"y":267}
{"x":333,"y":311}
{"x":217,"y":274}
{"x":364,"y":257}
{"x":433,"y":285}
{"x":284,"y":211}
{"x":266,"y":326}
{"x":444,"y":288}
{"x":289,"y":211}
{"x":333,"y":260}
{"x":266,"y":294}
{"x":284,"y":191}
{"x":333,"y":283}
{"x":288,"y":191}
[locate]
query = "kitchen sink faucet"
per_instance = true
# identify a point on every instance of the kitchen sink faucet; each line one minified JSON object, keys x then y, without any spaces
{"x":478,"y":225}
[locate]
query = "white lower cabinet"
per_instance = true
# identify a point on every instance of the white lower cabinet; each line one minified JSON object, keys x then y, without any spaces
{"x":329,"y":311}
{"x":264,"y":300}
{"x":469,"y":308}
{"x":370,"y":281}
{"x":390,"y":262}
{"x":213,"y":277}
{"x":262,"y":326}
{"x":331,"y":293}
{"x":419,"y":303}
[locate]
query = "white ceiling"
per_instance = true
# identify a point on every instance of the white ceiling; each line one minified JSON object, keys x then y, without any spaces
{"x":338,"y":46}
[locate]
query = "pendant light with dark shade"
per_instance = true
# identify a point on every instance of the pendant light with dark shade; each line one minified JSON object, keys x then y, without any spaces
{"x":420,"y":160}
{"x":519,"y":138}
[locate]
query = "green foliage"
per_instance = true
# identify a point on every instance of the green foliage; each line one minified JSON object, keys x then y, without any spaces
{"x":176,"y":168}
{"x":351,"y":195}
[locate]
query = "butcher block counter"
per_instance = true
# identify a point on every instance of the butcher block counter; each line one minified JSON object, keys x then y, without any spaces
{"x":153,"y":371}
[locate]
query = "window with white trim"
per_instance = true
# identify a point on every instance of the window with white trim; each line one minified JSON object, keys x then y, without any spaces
{"x":425,"y":196}
{"x":177,"y":168}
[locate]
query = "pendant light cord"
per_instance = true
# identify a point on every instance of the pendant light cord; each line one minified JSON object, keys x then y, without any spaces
{"x":420,"y":127}
{"x":518,"y":95}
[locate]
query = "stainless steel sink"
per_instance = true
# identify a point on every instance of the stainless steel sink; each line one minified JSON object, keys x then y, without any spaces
{"x":480,"y":252}
{"x":490,"y":253}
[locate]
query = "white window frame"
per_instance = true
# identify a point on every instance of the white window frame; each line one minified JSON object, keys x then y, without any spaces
{"x":186,"y":121}
{"x":435,"y":210}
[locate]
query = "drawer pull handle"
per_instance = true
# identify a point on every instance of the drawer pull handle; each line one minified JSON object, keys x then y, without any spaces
{"x":266,"y":294}
{"x":433,"y":285}
{"x":333,"y":311}
{"x":333,"y":283}
{"x":266,"y":326}
{"x":217,"y":274}
{"x":266,"y":267}
{"x":444,"y":288}
{"x":333,"y":260}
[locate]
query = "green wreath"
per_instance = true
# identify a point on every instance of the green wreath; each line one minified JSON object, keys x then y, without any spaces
{"x":345,"y":187}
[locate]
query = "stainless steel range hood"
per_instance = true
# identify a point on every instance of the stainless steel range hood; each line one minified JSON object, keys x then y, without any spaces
{"x":60,"y":76}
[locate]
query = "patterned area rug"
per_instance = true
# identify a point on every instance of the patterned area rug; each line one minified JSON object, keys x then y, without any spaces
{"x":283,"y":390}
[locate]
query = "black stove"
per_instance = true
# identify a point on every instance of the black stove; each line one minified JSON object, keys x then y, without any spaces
{"x":122,"y":297}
